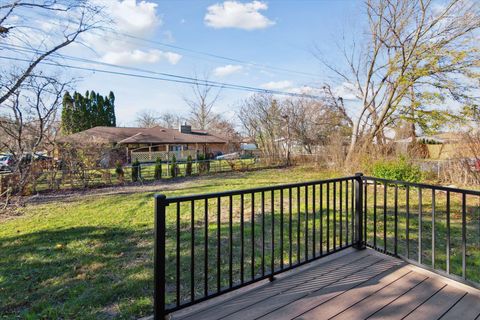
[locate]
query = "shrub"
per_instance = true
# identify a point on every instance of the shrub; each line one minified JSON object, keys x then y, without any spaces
{"x":119,"y":170}
{"x":173,"y":167}
{"x":136,"y":170}
{"x":204,"y":165}
{"x":188,"y":170}
{"x":399,"y":169}
{"x":158,"y":169}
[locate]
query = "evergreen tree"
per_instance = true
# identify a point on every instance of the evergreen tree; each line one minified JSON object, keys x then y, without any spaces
{"x":158,"y":169}
{"x":67,"y":112}
{"x":99,"y":109}
{"x":84,"y":112}
{"x":111,"y":111}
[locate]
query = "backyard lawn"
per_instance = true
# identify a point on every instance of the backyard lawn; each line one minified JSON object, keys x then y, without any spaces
{"x":91,"y":257}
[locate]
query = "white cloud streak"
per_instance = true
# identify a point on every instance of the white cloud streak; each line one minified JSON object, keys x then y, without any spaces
{"x":131,"y":16}
{"x":277,"y":85}
{"x":136,"y":18}
{"x":346,"y":91}
{"x":138,"y":56}
{"x":227,"y":70}
{"x":234,"y":14}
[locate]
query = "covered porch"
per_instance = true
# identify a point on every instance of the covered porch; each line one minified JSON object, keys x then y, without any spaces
{"x":165,"y":152}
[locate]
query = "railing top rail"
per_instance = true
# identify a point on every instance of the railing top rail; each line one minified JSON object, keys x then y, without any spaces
{"x":254,"y":190}
{"x":424,"y":186}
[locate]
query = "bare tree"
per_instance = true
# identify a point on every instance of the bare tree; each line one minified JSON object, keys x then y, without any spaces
{"x":150,"y":119}
{"x":29,"y":119}
{"x":261,"y":117}
{"x":412,"y":46}
{"x":147,"y":119}
{"x":30,"y":94}
{"x":313,"y":121}
{"x":301,"y":125}
{"x":171,"y":120}
{"x":81,"y":15}
{"x":226,"y":129}
{"x":204,"y":97}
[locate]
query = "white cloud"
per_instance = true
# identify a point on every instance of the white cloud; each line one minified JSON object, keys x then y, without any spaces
{"x":277,"y":85}
{"x":138,"y":56}
{"x":172,"y":57}
{"x":306,"y":90}
{"x":227,"y":70}
{"x":134,"y":17}
{"x":234,"y":14}
{"x":346,"y":91}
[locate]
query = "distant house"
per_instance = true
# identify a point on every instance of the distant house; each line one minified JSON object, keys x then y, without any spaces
{"x":441,"y":146}
{"x":148,"y":144}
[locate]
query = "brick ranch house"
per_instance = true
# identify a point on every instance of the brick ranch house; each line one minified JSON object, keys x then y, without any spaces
{"x":148,"y":144}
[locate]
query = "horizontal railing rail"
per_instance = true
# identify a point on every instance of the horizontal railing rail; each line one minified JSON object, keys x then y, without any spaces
{"x":422,"y":185}
{"x":210,"y":244}
{"x":254,"y":190}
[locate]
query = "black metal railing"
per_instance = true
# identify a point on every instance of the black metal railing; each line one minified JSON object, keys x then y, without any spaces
{"x":435,"y":227}
{"x":210,"y":244}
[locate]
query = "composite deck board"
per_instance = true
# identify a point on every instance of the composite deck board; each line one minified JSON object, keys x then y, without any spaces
{"x":364,"y":308}
{"x":299,"y":292}
{"x":349,"y":298}
{"x":437,"y":305}
{"x":405,"y":304}
{"x":358,"y":285}
{"x":317,"y":297}
{"x":260,"y":295}
{"x":466,"y":309}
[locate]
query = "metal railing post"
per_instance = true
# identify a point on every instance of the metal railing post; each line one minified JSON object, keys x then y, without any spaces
{"x":359,"y":236}
{"x":159,"y":257}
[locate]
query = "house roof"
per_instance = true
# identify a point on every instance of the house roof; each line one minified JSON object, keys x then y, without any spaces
{"x":155,"y":135}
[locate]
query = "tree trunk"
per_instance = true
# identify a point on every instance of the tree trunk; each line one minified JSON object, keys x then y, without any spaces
{"x":353,"y":142}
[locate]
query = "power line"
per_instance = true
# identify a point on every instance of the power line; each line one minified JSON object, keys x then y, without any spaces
{"x":193,"y":80}
{"x":183,"y":81}
{"x":253,"y":64}
{"x":78,"y":59}
{"x":198,"y":52}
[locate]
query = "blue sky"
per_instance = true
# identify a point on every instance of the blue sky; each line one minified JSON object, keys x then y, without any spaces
{"x":277,"y":33}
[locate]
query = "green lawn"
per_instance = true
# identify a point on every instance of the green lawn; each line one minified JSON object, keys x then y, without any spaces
{"x":92,"y":258}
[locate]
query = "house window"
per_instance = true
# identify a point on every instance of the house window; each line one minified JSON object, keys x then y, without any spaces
{"x":177,"y":148}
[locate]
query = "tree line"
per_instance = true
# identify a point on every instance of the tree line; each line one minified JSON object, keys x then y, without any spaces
{"x":82,"y":112}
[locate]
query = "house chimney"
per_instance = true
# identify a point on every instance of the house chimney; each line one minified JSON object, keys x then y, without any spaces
{"x":184,"y":128}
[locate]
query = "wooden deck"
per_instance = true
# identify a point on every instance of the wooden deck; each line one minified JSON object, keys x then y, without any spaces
{"x":348,"y":285}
